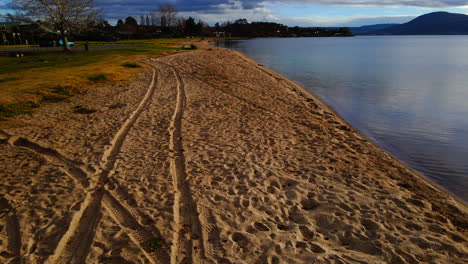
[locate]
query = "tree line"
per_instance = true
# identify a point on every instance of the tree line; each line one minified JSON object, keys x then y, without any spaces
{"x":81,"y":20}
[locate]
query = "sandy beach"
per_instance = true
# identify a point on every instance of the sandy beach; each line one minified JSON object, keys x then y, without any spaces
{"x":209,"y":157}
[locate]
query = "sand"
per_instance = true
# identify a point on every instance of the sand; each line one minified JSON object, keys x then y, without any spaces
{"x":209,"y":157}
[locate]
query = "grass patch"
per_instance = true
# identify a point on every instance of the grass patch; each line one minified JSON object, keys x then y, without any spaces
{"x":10,"y":110}
{"x":131,"y":65}
{"x":9,"y":79}
{"x":52,"y":99}
{"x":79,"y":109}
{"x":153,"y":244}
{"x":29,"y":79}
{"x":99,"y":77}
{"x":62,"y":90}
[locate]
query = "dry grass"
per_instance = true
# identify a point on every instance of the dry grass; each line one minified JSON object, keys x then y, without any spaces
{"x":29,"y":81}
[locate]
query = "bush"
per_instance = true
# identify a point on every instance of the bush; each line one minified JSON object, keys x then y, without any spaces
{"x":97,"y":77}
{"x":153,"y":244}
{"x":52,"y":99}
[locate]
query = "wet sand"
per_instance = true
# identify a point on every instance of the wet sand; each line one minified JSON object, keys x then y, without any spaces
{"x":209,"y":157}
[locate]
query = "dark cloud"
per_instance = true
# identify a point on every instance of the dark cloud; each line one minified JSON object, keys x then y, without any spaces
{"x":112,"y":9}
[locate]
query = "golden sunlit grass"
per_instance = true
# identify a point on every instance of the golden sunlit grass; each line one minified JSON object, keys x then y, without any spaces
{"x":26,"y":81}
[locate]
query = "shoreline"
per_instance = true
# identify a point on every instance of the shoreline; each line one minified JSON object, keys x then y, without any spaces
{"x":308,"y":94}
{"x":209,"y":158}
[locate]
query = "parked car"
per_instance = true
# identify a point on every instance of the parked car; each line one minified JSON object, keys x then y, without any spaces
{"x":70,"y":44}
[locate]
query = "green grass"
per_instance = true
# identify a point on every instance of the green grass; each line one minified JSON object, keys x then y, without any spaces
{"x":79,"y":109}
{"x":56,"y":75}
{"x":98,"y":77}
{"x":10,"y":110}
{"x":74,"y":58}
{"x":131,"y":65}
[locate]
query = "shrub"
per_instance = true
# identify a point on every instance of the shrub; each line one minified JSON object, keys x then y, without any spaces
{"x":52,"y":99}
{"x":153,"y":244}
{"x":97,"y":77}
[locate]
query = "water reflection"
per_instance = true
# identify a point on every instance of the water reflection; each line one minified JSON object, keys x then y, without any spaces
{"x":406,"y":93}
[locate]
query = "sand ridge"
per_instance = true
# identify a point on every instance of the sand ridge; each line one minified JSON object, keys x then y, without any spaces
{"x":210,"y":157}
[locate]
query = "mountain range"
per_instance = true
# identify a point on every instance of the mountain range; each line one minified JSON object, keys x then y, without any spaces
{"x":437,"y":23}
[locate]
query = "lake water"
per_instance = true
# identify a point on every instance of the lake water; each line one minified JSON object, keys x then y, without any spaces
{"x":408,"y":94}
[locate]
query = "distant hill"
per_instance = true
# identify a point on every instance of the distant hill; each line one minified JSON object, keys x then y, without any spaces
{"x":370,"y":28}
{"x":437,"y":23}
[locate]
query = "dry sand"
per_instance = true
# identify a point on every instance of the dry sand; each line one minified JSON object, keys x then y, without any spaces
{"x":211,"y":158}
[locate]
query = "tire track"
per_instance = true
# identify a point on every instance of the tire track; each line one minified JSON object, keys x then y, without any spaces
{"x":84,"y":223}
{"x":137,"y":233}
{"x":76,"y":242}
{"x":10,"y":236}
{"x":187,"y":243}
{"x":110,"y":155}
{"x":71,"y":168}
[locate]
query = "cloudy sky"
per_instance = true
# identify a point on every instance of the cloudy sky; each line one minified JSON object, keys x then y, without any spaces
{"x":289,"y":12}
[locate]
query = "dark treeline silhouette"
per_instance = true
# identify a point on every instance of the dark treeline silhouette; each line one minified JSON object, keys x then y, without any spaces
{"x":164,"y":22}
{"x":242,"y":28}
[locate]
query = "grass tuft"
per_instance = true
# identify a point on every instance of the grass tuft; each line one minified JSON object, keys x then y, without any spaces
{"x":62,"y":90}
{"x":131,"y":65}
{"x":52,"y":99}
{"x":79,"y":109}
{"x":99,"y":77}
{"x":153,"y":244}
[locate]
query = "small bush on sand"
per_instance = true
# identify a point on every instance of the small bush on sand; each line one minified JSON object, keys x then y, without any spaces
{"x":52,"y":99}
{"x":62,"y":90}
{"x":79,"y":109}
{"x":153,"y":244}
{"x":97,"y":77}
{"x":131,"y":65}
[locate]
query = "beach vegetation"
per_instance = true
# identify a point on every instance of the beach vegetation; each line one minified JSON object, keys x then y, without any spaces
{"x":98,"y":77}
{"x":153,"y":244}
{"x":62,"y":90}
{"x":79,"y":109}
{"x":131,"y":65}
{"x":9,"y":110}
{"x":52,"y":99}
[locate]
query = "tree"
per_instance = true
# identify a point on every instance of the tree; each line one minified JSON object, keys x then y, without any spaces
{"x":64,"y":16}
{"x":168,"y":14}
{"x":131,"y":21}
{"x":119,"y":23}
{"x":190,"y":26}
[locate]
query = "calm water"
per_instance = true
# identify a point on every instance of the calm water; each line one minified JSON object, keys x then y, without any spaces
{"x":409,"y":94}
